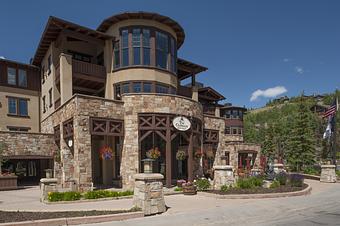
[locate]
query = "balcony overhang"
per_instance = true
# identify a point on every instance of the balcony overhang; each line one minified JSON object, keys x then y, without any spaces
{"x":52,"y":30}
{"x":186,"y":69}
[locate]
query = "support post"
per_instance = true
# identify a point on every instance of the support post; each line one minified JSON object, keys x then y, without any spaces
{"x":190,"y":158}
{"x":168,"y":154}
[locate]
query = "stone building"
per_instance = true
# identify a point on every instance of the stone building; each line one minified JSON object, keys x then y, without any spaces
{"x":114,"y":97}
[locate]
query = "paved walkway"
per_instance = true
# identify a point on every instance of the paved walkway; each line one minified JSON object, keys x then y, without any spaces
{"x":199,"y":210}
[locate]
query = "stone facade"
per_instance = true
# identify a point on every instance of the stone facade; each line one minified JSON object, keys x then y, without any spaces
{"x":135,"y":104}
{"x":229,"y":143}
{"x":223,"y":175}
{"x":78,"y":166}
{"x":27,"y":144}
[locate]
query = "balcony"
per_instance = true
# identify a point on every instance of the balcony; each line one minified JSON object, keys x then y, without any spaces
{"x":184,"y":91}
{"x":87,"y":78}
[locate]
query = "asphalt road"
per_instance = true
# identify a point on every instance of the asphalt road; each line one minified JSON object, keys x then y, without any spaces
{"x":322,"y":207}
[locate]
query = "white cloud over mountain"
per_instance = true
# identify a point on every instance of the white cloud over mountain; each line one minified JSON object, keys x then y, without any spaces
{"x":268,"y":93}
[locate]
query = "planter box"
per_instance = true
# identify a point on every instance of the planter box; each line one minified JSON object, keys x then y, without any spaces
{"x":8,"y":182}
{"x":189,"y":190}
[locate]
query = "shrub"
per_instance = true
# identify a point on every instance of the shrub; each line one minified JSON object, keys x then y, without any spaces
{"x":106,"y":194}
{"x":337,"y":173}
{"x":282,"y":178}
{"x":275,"y":184}
{"x":202,"y":184}
{"x":178,"y":189}
{"x":249,"y":182}
{"x":296,"y":180}
{"x":63,"y":196}
{"x":312,"y":170}
{"x":225,"y":188}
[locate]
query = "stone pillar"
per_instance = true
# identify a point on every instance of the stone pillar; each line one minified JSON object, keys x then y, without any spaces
{"x":194,"y":93}
{"x":47,"y":185}
{"x":148,"y":193}
{"x":108,"y":61}
{"x":66,"y":91}
{"x":278,"y":167}
{"x":217,"y":112}
{"x":328,"y":174}
{"x":223,"y":175}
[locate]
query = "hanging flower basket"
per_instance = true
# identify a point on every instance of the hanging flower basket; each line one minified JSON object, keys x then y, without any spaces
{"x":198,"y":154}
{"x":153,"y":153}
{"x":209,"y":154}
{"x":105,"y":153}
{"x":181,"y":155}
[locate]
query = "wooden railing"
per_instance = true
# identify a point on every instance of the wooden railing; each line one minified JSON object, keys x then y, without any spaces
{"x":88,"y":68}
{"x":184,"y":91}
{"x":209,"y":110}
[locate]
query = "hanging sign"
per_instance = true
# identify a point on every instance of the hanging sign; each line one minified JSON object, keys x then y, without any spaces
{"x":181,"y":123}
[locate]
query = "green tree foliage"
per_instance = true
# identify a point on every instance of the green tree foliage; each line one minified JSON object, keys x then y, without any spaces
{"x":289,"y":130}
{"x":300,"y":148}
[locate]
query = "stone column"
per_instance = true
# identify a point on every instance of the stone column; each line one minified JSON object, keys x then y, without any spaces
{"x":223,"y":175}
{"x":47,"y":185}
{"x":148,"y":193}
{"x":66,"y":91}
{"x":278,"y":167}
{"x":328,"y":174}
{"x":194,"y":93}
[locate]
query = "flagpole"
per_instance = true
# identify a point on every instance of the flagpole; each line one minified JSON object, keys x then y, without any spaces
{"x":334,"y":144}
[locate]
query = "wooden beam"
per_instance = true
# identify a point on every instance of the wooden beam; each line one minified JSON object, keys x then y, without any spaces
{"x":168,"y":156}
{"x":84,"y":89}
{"x":190,"y":158}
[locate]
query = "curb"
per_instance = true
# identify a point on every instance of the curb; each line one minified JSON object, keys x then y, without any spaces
{"x":305,"y":191}
{"x":78,"y":220}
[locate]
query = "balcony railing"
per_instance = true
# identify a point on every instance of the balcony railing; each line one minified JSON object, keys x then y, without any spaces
{"x":209,"y":110}
{"x":184,"y":91}
{"x":85,"y":68}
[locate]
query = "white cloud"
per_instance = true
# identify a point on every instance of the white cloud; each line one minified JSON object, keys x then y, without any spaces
{"x":299,"y":70}
{"x":2,"y":57}
{"x":270,"y":92}
{"x":287,"y":60}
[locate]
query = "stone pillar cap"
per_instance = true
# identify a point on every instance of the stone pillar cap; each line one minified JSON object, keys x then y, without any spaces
{"x":277,"y":164}
{"x":48,"y":180}
{"x":327,"y":166}
{"x":223,"y":167}
{"x":148,"y":176}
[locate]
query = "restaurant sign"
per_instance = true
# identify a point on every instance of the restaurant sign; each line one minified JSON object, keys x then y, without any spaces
{"x":181,"y":123}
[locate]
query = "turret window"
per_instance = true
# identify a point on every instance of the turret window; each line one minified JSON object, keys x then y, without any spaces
{"x":145,"y":46}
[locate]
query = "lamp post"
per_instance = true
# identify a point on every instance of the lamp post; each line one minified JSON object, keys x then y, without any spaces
{"x":148,"y":165}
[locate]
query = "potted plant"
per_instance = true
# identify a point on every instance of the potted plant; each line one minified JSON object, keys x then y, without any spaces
{"x":8,"y":181}
{"x":189,"y":188}
{"x":180,"y":183}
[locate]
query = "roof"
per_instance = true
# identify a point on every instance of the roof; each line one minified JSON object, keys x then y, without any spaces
{"x":52,"y":30}
{"x":104,"y":26}
{"x":209,"y":93}
{"x":19,"y":63}
{"x":234,"y":107}
{"x":186,"y":68}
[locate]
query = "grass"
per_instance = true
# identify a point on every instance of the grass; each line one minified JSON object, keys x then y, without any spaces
{"x":73,"y":196}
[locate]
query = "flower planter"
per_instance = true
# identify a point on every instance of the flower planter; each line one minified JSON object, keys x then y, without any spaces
{"x":189,"y":190}
{"x":8,"y":182}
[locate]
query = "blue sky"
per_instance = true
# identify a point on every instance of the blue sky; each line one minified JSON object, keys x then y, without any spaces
{"x":265,"y":46}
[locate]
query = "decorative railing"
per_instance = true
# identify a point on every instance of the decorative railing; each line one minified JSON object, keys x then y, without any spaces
{"x":209,"y":110}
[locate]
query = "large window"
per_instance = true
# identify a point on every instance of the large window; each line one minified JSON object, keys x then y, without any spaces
{"x":125,"y":47}
{"x":233,"y":130}
{"x":17,"y":106}
{"x":22,"y":78}
{"x":11,"y":76}
{"x":136,"y":43}
{"x":147,"y":46}
{"x":162,"y":49}
{"x":142,"y":87}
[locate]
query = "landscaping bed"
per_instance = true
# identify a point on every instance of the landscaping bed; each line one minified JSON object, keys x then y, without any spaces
{"x":90,"y":195}
{"x":17,"y":216}
{"x":258,"y":190}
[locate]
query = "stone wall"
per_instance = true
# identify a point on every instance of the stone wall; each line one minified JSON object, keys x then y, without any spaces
{"x":78,"y":166}
{"x":235,"y":147}
{"x":27,"y":144}
{"x":144,"y":103}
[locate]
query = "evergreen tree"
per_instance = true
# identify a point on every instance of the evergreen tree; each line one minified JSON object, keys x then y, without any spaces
{"x":301,"y":143}
{"x":268,"y":146}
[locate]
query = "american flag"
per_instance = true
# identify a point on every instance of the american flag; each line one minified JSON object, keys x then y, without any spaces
{"x":331,"y":110}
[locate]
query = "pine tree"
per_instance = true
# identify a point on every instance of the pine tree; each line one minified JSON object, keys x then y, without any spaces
{"x":268,"y":146}
{"x":301,"y":143}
